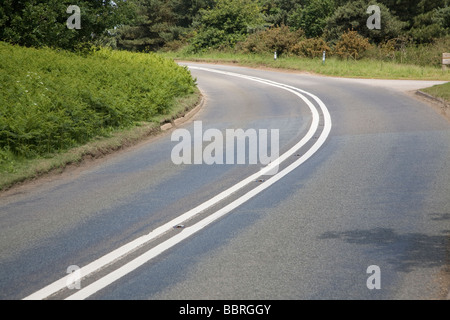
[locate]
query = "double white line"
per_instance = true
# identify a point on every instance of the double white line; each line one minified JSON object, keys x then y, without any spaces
{"x":188,"y":231}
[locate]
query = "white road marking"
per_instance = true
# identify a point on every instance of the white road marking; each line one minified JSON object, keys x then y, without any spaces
{"x":186,"y":232}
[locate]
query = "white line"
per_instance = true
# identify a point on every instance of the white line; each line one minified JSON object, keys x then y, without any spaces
{"x":126,"y":249}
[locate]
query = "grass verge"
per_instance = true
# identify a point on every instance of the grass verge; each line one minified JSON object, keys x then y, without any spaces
{"x":441,"y":91}
{"x":364,"y":68}
{"x":24,"y":170}
{"x":57,"y":107}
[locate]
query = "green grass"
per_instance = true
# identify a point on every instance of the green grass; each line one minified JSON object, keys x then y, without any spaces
{"x":56,"y":106}
{"x":364,"y":68}
{"x":441,"y":91}
{"x":20,"y":169}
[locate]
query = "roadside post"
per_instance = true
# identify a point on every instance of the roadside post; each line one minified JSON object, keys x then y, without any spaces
{"x":445,"y":61}
{"x":323,"y":57}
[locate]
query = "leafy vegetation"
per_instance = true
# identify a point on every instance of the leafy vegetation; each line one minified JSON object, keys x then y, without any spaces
{"x":311,"y":48}
{"x":226,"y":23}
{"x":38,"y":23}
{"x":242,"y":25}
{"x":412,"y":32}
{"x":441,"y":91}
{"x":334,"y":66}
{"x":353,"y":16}
{"x":82,"y":83}
{"x":312,"y":17}
{"x":51,"y":101}
{"x":351,"y":44}
{"x":279,"y":39}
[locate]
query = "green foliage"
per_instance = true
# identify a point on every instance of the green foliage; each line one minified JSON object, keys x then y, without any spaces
{"x":353,"y":15}
{"x":334,"y":66}
{"x":407,"y":10}
{"x":352,"y":45}
{"x":158,"y":23}
{"x":153,"y":19}
{"x":311,"y":48}
{"x":431,"y":25}
{"x":279,"y":39}
{"x":40,"y":23}
{"x":312,"y":18}
{"x":227,"y":23}
{"x":277,"y":12}
{"x":441,"y":91}
{"x":53,"y":100}
{"x":220,"y":24}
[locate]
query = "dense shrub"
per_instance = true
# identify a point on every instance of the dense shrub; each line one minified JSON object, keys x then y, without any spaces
{"x":53,"y":100}
{"x":405,"y":50}
{"x":352,"y":45}
{"x":280,"y":39}
{"x":311,"y":48}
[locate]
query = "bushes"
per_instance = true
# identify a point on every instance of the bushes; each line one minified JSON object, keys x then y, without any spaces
{"x":51,"y":101}
{"x":315,"y":26}
{"x":311,"y":48}
{"x":283,"y":40}
{"x":351,"y":44}
{"x":279,"y":39}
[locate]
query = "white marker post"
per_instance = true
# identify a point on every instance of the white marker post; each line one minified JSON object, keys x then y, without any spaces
{"x":323,"y":57}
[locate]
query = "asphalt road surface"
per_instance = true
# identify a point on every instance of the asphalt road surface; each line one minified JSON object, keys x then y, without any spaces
{"x":359,"y":208}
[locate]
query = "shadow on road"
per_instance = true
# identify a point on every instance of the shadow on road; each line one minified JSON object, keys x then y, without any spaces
{"x":406,"y":251}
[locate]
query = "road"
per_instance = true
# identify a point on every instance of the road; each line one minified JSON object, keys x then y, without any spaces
{"x":369,"y":186}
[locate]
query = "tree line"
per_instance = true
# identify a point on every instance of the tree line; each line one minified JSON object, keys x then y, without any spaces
{"x":150,"y":25}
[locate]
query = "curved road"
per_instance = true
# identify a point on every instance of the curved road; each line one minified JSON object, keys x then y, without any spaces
{"x":368,"y":187}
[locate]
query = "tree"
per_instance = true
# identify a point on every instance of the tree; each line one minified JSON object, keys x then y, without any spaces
{"x":40,"y":23}
{"x":407,"y":10}
{"x":227,"y":23}
{"x":312,"y":18}
{"x":153,"y":19}
{"x":353,"y":16}
{"x":276,"y":12}
{"x":186,"y":11}
{"x":431,"y":25}
{"x":159,"y":22}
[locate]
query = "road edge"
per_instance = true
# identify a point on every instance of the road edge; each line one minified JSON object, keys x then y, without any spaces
{"x":440,"y":105}
{"x":92,"y":155}
{"x":183,"y":118}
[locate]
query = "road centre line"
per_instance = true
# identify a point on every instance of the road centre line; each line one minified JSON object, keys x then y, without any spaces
{"x":185,"y":233}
